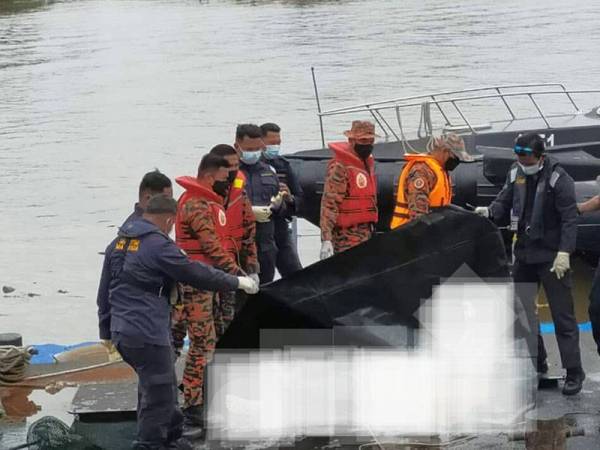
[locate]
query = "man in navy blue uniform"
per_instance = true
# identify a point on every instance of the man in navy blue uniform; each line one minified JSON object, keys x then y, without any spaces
{"x":538,"y":201}
{"x":141,"y":267}
{"x":262,"y":187}
{"x":152,"y":183}
{"x":287,"y":254}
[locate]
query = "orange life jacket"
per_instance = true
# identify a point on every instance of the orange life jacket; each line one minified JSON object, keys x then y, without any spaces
{"x":441,"y":194}
{"x":360,"y":203}
{"x":184,"y":236}
{"x":235,"y":215}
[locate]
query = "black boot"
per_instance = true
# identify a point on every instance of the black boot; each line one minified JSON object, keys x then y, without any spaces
{"x":573,"y":381}
{"x":181,"y":444}
{"x":193,"y":423}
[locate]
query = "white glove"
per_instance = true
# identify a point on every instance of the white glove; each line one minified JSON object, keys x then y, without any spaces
{"x":561,"y":264}
{"x":262,"y":213}
{"x":277,"y":201}
{"x":248,"y":285}
{"x":255,"y":277}
{"x":326,"y":249}
{"x":482,"y":211}
{"x":113,"y":354}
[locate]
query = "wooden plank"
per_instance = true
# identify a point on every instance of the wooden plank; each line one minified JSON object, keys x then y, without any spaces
{"x":105,"y":398}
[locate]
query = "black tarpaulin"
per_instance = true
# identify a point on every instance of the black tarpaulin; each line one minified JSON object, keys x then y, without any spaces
{"x":379,"y":283}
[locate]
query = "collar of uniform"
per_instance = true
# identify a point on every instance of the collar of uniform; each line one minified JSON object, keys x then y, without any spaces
{"x":138,"y":210}
{"x":259,"y":166}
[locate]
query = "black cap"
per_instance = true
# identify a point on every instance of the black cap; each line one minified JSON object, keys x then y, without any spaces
{"x":161,"y":204}
{"x":533,"y":141}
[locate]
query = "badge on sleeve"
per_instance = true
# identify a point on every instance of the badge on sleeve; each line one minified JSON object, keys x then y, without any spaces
{"x":419,"y":183}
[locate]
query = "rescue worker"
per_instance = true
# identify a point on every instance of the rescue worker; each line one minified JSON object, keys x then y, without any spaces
{"x":588,"y":206}
{"x":262,"y":187}
{"x":538,"y":201}
{"x":134,"y":314}
{"x":201,"y":231}
{"x":238,"y":209}
{"x":241,"y":241}
{"x":424,"y":182}
{"x":349,"y":202}
{"x":287,"y":261}
{"x":152,"y":183}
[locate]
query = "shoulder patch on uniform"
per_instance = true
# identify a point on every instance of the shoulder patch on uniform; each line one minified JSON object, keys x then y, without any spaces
{"x":419,"y":183}
{"x":134,"y":245}
{"x":554,"y":178}
{"x":120,"y":245}
{"x":238,"y":183}
{"x":520,"y":180}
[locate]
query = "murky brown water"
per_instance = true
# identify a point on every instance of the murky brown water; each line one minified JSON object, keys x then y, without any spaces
{"x":94,"y":93}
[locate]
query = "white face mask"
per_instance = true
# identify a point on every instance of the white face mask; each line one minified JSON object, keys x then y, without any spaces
{"x":531,"y":170}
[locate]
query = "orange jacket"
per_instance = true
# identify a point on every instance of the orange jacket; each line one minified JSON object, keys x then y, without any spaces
{"x":235,"y":214}
{"x":440,"y":195}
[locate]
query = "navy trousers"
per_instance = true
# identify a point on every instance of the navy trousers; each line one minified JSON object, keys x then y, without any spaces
{"x":527,"y":278}
{"x":159,"y":420}
{"x":287,"y":255}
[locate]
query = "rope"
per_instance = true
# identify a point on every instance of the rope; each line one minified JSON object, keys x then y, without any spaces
{"x":13,"y":363}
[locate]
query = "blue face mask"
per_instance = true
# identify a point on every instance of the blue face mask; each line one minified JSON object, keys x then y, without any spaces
{"x":250,"y":157}
{"x":272,"y":151}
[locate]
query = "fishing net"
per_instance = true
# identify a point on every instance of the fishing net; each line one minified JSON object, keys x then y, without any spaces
{"x":50,"y":433}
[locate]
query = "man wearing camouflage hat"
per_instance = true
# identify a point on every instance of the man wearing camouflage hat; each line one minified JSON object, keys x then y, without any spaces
{"x":349,"y":203}
{"x":425,"y":181}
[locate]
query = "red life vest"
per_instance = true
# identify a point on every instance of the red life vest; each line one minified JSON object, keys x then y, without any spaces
{"x":235,"y":215}
{"x":360,"y":204}
{"x":184,"y":236}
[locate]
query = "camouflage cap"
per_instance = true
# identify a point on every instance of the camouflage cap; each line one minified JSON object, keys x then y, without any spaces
{"x":452,"y":142}
{"x":361,"y":129}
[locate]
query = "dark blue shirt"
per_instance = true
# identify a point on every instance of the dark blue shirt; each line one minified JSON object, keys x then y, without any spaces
{"x":140,"y":267}
{"x":286,"y":175}
{"x":262,"y":184}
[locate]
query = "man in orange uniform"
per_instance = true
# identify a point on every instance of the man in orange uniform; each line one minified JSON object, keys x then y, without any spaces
{"x":201,"y":231}
{"x":425,"y":181}
{"x":241,"y":226}
{"x":349,"y":203}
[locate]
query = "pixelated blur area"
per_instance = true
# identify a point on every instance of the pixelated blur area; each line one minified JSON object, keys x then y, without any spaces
{"x":465,"y":360}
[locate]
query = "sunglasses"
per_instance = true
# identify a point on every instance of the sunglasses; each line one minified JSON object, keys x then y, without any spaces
{"x":522,"y":150}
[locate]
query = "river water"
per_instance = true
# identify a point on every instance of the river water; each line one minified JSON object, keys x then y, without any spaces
{"x":94,"y":93}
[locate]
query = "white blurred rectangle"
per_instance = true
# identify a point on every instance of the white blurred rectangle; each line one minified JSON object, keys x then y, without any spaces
{"x":463,"y":377}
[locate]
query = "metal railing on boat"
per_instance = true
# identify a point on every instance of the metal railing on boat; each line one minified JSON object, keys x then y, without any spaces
{"x":503,"y":93}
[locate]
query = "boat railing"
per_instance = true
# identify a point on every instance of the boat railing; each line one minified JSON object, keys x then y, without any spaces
{"x":454,"y":101}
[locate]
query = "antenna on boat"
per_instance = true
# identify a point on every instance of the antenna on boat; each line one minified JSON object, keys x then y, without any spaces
{"x":312,"y":69}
